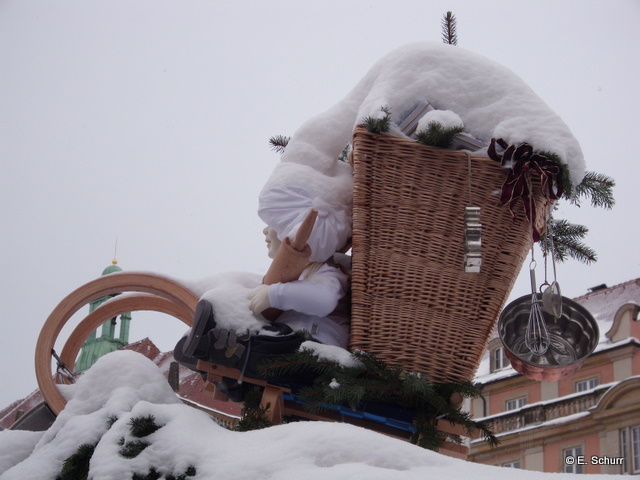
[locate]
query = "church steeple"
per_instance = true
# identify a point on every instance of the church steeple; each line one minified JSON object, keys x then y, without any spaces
{"x":95,"y":347}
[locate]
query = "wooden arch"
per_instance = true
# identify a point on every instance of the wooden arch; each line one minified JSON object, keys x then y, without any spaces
{"x":148,"y":292}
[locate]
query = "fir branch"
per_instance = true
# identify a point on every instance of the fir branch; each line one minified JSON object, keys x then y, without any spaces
{"x":76,"y":467}
{"x":254,"y":416}
{"x":143,"y":426}
{"x":426,"y":433}
{"x":437,"y":135}
{"x":375,"y":382}
{"x":297,"y":364}
{"x":449,"y":29}
{"x":346,"y":152}
{"x":379,"y":124}
{"x":567,"y":242}
{"x":111,"y":420}
{"x":133,"y":449}
{"x":598,"y":188}
{"x":152,"y":475}
{"x":279,"y":143}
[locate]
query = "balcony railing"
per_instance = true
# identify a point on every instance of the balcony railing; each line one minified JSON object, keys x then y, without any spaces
{"x":535,"y":414}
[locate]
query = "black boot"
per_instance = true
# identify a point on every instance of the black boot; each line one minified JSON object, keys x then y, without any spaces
{"x":246,"y":352}
{"x":197,"y":343}
{"x":179,"y":356}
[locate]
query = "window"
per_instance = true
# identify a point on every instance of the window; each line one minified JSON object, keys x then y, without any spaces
{"x":500,"y":360}
{"x":515,"y":464}
{"x":573,"y":460}
{"x":630,"y":450}
{"x":588,"y":384}
{"x":635,"y":448}
{"x":515,"y":403}
{"x":624,"y":448}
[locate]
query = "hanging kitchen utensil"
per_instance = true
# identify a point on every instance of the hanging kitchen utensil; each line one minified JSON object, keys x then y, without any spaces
{"x":573,"y":336}
{"x":537,"y":337}
{"x":551,"y":295}
{"x":472,"y":232}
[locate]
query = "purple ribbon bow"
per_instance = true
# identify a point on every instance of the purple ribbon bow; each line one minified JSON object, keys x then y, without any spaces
{"x":524,"y":165}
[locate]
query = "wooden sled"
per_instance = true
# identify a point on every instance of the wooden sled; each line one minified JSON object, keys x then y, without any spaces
{"x":144,"y":291}
{"x":281,"y":404}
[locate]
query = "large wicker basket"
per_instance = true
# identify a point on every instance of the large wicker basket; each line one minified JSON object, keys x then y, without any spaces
{"x":413,"y":303}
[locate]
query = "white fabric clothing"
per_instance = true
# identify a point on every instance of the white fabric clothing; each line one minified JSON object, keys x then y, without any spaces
{"x":293,"y":190}
{"x":309,"y":304}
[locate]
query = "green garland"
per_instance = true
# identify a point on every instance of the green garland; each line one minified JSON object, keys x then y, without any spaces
{"x":375,"y":381}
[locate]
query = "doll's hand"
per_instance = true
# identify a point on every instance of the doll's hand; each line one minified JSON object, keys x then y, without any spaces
{"x":259,"y":299}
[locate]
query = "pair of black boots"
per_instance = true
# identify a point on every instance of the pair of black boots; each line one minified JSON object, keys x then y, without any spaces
{"x":206,"y":341}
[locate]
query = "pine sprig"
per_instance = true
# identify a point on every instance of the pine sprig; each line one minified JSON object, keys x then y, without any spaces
{"x":598,"y":188}
{"x":254,"y":415}
{"x":143,"y":426}
{"x":346,"y":152}
{"x":437,"y":135}
{"x":449,"y":29}
{"x":133,"y":449}
{"x":279,"y":143}
{"x":76,"y":467}
{"x":567,"y":242}
{"x":378,"y":124}
{"x":567,"y":237}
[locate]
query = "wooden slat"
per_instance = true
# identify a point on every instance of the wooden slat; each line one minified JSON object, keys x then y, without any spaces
{"x":112,"y":308}
{"x":115,"y":283}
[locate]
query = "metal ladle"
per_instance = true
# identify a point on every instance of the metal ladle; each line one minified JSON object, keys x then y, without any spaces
{"x":551,"y":296}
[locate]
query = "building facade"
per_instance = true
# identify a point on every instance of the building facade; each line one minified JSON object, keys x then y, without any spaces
{"x":589,"y":423}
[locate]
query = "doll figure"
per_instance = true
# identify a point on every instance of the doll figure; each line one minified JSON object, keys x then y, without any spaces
{"x":311,"y":310}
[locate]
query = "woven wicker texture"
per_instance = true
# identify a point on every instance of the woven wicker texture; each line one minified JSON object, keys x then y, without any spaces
{"x":413,"y":303}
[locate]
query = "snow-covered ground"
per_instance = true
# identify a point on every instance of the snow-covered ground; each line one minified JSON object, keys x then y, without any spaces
{"x":127,"y":385}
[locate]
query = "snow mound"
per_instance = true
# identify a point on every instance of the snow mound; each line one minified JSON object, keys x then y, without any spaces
{"x":124,"y":386}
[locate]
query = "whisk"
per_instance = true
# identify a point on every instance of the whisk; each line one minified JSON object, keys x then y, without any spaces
{"x":537,"y":337}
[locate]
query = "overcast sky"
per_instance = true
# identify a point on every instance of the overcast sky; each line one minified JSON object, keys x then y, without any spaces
{"x":148,"y":122}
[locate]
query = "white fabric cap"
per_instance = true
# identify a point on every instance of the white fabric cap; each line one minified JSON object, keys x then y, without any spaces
{"x":293,"y":189}
{"x":284,"y":209}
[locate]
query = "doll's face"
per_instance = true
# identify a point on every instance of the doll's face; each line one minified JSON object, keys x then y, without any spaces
{"x":273,"y":243}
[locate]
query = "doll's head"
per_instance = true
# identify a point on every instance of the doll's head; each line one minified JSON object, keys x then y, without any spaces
{"x":273,"y":242}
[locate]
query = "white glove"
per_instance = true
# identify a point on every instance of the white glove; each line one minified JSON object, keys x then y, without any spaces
{"x":259,"y":299}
